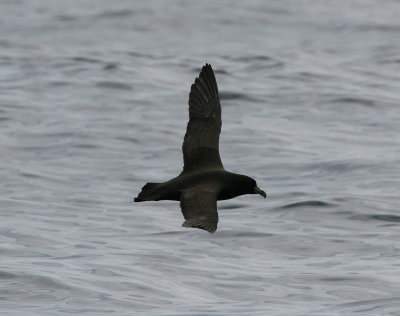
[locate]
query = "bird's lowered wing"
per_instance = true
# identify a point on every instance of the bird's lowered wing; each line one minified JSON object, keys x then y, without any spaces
{"x":201,"y":143}
{"x":199,"y":208}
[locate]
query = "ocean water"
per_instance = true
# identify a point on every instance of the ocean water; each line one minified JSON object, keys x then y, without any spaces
{"x":93,"y":104}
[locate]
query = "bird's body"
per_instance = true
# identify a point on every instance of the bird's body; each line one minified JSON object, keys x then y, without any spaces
{"x":222,"y":182}
{"x":203,"y":180}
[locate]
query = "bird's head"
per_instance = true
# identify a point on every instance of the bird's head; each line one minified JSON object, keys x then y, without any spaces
{"x":250,"y":186}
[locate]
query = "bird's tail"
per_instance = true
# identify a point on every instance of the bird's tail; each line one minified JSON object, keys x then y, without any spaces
{"x":145,"y":194}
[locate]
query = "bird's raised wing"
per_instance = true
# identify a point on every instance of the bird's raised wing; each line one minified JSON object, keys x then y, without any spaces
{"x":199,"y":208}
{"x":201,"y":143}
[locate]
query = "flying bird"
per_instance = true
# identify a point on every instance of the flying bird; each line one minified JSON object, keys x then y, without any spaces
{"x":203,"y":180}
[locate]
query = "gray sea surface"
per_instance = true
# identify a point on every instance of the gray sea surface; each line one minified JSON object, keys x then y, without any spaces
{"x":93,"y":104}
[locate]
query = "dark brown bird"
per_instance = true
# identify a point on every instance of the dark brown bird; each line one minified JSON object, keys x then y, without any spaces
{"x":203,"y":180}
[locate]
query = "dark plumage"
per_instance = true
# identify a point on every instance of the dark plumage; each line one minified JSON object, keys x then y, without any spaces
{"x":203,"y":180}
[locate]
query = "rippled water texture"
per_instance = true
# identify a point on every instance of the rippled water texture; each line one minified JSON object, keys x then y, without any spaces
{"x":93,"y":104}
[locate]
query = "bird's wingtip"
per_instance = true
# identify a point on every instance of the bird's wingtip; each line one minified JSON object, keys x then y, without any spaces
{"x":191,"y":224}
